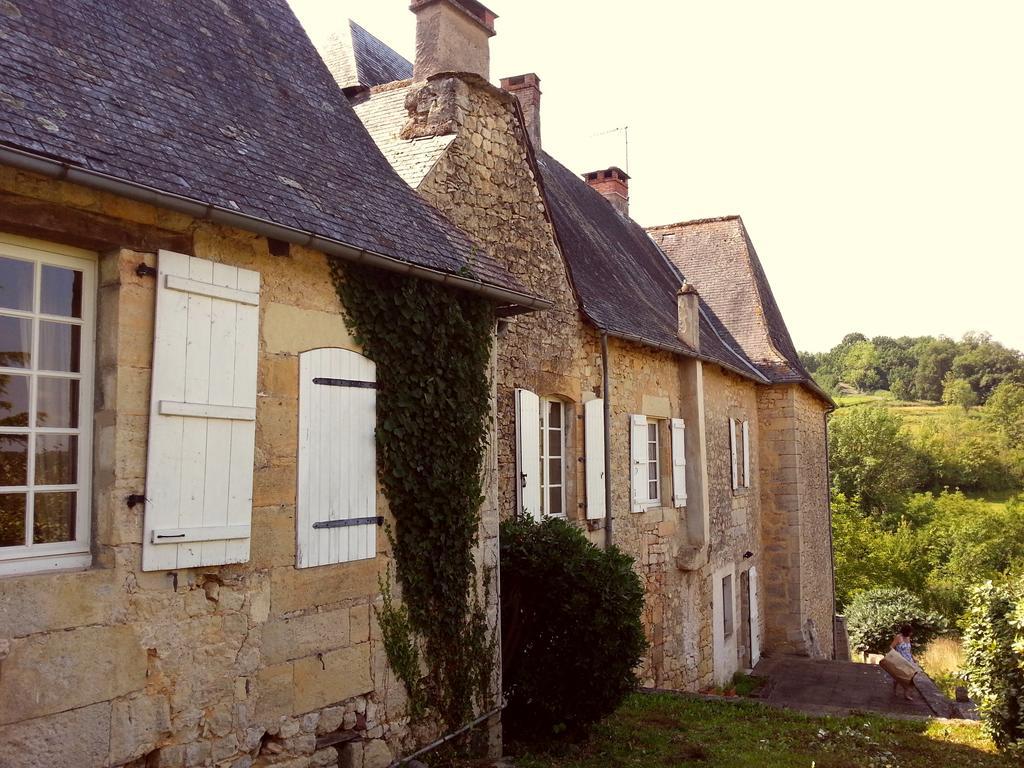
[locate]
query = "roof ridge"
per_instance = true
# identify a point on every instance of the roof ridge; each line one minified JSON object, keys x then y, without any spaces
{"x":692,"y":222}
{"x":395,"y":85}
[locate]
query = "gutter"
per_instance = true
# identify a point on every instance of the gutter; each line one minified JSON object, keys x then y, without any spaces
{"x":57,"y":169}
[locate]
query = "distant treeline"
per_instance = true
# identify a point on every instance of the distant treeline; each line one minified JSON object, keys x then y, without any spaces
{"x":918,"y":368}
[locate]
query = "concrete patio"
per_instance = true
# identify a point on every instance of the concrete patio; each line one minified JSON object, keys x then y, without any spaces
{"x":822,"y":686}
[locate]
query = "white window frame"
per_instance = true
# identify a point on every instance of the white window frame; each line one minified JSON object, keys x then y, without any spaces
{"x":653,"y":427}
{"x":30,"y":557}
{"x":545,"y":455}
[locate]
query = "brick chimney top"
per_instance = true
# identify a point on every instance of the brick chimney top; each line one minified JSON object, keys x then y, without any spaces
{"x":452,"y":36}
{"x":526,"y":88}
{"x":613,"y":184}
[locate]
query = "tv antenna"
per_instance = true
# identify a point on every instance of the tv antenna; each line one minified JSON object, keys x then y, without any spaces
{"x":624,"y":130}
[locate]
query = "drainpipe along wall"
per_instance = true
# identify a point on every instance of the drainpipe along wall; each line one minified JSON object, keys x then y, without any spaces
{"x":606,"y":391}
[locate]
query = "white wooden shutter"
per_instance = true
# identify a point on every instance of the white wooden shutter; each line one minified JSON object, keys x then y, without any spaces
{"x":528,"y":452}
{"x":679,"y":462}
{"x":336,"y":514}
{"x":732,"y":450}
{"x":202,"y":423}
{"x":638,"y":456}
{"x":593,"y":418}
{"x":746,"y":454}
{"x":755,"y":617}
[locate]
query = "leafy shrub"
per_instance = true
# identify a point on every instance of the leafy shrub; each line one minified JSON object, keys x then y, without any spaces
{"x":875,"y":616}
{"x":994,"y":644}
{"x":571,"y":628}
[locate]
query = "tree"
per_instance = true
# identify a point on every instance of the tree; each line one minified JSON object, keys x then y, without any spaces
{"x":859,"y":366}
{"x":894,"y":361}
{"x":958,"y":392}
{"x":934,"y":359}
{"x":985,"y":364}
{"x":872,"y":459}
{"x":1005,"y":411}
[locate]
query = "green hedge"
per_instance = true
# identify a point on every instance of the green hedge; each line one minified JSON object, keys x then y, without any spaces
{"x":571,"y":629}
{"x":875,"y":616}
{"x":994,"y":647}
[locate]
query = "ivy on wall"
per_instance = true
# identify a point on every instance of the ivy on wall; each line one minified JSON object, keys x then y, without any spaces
{"x":432,"y":348}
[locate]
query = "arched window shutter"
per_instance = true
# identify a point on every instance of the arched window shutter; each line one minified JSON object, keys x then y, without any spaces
{"x":337,"y":472}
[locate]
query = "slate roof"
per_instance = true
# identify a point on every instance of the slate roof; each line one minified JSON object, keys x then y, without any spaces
{"x":718,"y":258}
{"x":227,"y":103}
{"x":357,"y":59}
{"x":383,"y":112}
{"x":625,"y":284}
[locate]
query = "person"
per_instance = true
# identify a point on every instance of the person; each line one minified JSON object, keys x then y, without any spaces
{"x":901,"y":643}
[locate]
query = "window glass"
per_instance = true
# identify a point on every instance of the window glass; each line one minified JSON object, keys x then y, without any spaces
{"x":13,"y":400}
{"x":13,"y":459}
{"x":54,"y":518}
{"x":17,"y":281}
{"x":56,"y":402}
{"x":653,"y":463}
{"x":56,"y":459}
{"x":60,"y":346}
{"x":12,"y":519}
{"x":61,"y":292}
{"x":15,"y":342}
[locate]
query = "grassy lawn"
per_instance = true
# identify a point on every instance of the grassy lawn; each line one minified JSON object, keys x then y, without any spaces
{"x":664,"y":731}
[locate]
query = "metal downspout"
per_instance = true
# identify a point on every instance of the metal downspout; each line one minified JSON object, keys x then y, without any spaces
{"x":606,"y":391}
{"x":831,"y":543}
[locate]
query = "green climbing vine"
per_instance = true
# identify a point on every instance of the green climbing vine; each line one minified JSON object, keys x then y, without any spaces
{"x":432,"y":348}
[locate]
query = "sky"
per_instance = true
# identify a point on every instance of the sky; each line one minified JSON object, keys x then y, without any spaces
{"x":875,"y":150}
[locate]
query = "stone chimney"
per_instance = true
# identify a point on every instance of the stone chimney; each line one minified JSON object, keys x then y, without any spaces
{"x":613,"y":183}
{"x":526,"y":88}
{"x":452,"y":36}
{"x":688,"y":316}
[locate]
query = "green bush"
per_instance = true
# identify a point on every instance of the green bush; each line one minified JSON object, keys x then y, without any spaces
{"x":571,"y":628}
{"x":994,"y":645}
{"x":875,"y":616}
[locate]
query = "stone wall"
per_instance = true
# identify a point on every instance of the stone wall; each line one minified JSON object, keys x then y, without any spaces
{"x":243,"y":665}
{"x":797,"y":535}
{"x":815,"y":526}
{"x":735,"y":513}
{"x":486,"y":185}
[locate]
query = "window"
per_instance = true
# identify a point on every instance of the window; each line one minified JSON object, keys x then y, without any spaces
{"x":645,"y":446}
{"x":739,"y":443}
{"x":653,"y":467}
{"x":727,"y":607}
{"x":552,"y":457}
{"x":46,"y":353}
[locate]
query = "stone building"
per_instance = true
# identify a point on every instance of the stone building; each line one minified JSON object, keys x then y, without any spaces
{"x":695,"y":435}
{"x":718,"y":257}
{"x":182,"y":580}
